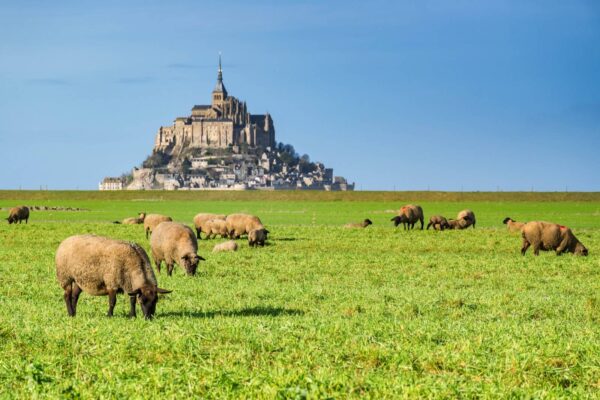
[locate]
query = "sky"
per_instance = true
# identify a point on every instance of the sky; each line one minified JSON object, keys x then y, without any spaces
{"x":394,"y":95}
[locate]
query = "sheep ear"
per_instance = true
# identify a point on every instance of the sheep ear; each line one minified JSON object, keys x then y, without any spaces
{"x":201,"y":258}
{"x":266,"y":231}
{"x":162,"y":291}
{"x":136,"y":293}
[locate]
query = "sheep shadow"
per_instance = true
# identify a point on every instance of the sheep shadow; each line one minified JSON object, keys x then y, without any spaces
{"x":286,"y":239}
{"x":258,"y":311}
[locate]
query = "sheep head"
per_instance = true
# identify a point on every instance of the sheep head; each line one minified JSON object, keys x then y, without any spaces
{"x":189,"y":262}
{"x":148,"y":297}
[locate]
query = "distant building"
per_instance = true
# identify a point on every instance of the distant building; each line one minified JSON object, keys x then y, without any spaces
{"x":109,"y":183}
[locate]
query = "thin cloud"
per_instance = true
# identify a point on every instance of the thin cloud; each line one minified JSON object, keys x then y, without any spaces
{"x":135,"y":81}
{"x":48,"y":82}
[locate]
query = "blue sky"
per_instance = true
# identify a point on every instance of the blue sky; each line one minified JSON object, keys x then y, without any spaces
{"x":448,"y":95}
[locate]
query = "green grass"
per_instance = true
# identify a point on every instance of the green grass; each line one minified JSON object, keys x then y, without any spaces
{"x":321,"y":311}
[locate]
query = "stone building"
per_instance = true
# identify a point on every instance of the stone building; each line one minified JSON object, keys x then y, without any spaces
{"x":110,"y":183}
{"x":225,"y":122}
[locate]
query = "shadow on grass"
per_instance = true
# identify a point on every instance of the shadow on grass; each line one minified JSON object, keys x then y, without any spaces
{"x":244,"y":312}
{"x":286,"y":239}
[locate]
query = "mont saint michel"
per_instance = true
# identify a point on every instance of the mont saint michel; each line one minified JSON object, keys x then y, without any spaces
{"x":222,"y":145}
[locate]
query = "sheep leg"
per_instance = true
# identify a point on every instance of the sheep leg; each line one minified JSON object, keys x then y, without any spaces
{"x":536,"y":249}
{"x":132,"y":301}
{"x":562,"y":246}
{"x":158,"y":263}
{"x":198,"y":234}
{"x":67,"y":296}
{"x":525,"y":246}
{"x":112,"y":301}
{"x":429,"y":224}
{"x":170,"y":269}
{"x":75,"y":297}
{"x":147,"y":233}
{"x":422,"y":223}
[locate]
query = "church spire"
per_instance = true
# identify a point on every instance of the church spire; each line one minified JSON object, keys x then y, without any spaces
{"x":220,"y":75}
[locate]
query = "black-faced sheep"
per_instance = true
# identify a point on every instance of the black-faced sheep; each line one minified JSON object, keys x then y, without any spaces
{"x":438,"y":222}
{"x":408,"y":216}
{"x":18,"y":214}
{"x":257,"y":237}
{"x":133,"y":220}
{"x":363,"y":224}
{"x":101,"y":266}
{"x":512,"y":225}
{"x":468,"y":217}
{"x":547,"y":236}
{"x":242,"y":224}
{"x":175,"y":243}
{"x":152,"y":221}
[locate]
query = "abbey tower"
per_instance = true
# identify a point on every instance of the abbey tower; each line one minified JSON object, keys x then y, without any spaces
{"x":224,"y":123}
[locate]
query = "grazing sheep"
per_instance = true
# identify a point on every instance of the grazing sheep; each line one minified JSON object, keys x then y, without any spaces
{"x":175,"y":243}
{"x":242,"y":224}
{"x":408,"y":216}
{"x":133,"y":220}
{"x":201,"y":219}
{"x":151,"y":221}
{"x":18,"y":214}
{"x":438,"y":222}
{"x":455,"y":224}
{"x":101,"y":266}
{"x":257,"y":237}
{"x":468,"y":217}
{"x":512,"y":225}
{"x":225,"y":246}
{"x":548,"y":236}
{"x":363,"y":224}
{"x":215,"y":227}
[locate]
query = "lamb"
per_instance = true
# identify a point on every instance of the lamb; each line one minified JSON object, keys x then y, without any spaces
{"x":469,"y":218}
{"x":438,"y":222}
{"x":18,"y":214}
{"x":133,"y":220}
{"x":363,"y":224}
{"x":257,"y":237}
{"x":548,"y":236}
{"x":512,"y":225}
{"x":175,"y":243}
{"x":215,"y":227}
{"x":242,"y":224}
{"x":151,"y":221}
{"x":455,"y":224}
{"x":201,"y":219}
{"x":408,"y":216}
{"x":230,"y":245}
{"x":102,"y":266}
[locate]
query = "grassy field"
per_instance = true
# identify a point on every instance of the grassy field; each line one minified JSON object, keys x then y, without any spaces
{"x":321,"y":312}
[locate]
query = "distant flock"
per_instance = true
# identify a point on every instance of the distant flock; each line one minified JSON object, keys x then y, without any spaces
{"x":102,"y":266}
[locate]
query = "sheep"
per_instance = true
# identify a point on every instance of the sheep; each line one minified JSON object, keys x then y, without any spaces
{"x":201,"y":219}
{"x":102,"y":266}
{"x":215,"y":227}
{"x":408,"y":216}
{"x":455,"y":224}
{"x":242,"y":224}
{"x":549,"y":236}
{"x":133,"y":220}
{"x":18,"y":214}
{"x":438,"y":222}
{"x":512,"y":225}
{"x":363,"y":224}
{"x":151,"y":221}
{"x":175,"y":243}
{"x":230,"y":245}
{"x":468,"y":217}
{"x":257,"y":237}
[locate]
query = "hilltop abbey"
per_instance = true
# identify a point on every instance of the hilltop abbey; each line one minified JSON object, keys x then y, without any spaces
{"x":222,"y":146}
{"x":225,"y":122}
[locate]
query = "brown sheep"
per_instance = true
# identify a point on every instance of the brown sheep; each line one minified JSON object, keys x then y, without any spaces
{"x":438,"y":222}
{"x":202,"y":218}
{"x":241,"y":224}
{"x":548,"y":236}
{"x":455,"y":224}
{"x":468,"y":217}
{"x":175,"y":243}
{"x":101,"y":266}
{"x":408,"y":216}
{"x":363,"y":224}
{"x":133,"y":220}
{"x":215,"y":227}
{"x":152,"y":221}
{"x":257,"y":237}
{"x":225,"y":246}
{"x":512,"y":225}
{"x":17,"y":214}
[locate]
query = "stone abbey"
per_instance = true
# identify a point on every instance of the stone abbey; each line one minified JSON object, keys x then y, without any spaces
{"x":224,"y":123}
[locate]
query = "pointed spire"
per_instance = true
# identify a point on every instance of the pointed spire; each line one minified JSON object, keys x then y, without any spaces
{"x":219,"y":87}
{"x":220,"y":75}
